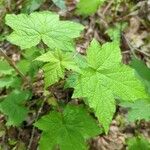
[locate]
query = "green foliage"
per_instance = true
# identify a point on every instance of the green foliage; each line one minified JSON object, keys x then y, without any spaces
{"x":13,"y":107}
{"x":60,"y":3}
{"x":142,"y":72}
{"x":68,"y":129}
{"x":104,"y":79}
{"x":29,"y":30}
{"x":6,"y":82}
{"x":138,"y":110}
{"x":23,"y":65}
{"x":31,"y":5}
{"x":7,"y":76}
{"x":88,"y":7}
{"x":26,"y":65}
{"x":5,"y":68}
{"x":56,"y":63}
{"x":115,"y":31}
{"x":10,"y":81}
{"x":138,"y":143}
{"x":99,"y":77}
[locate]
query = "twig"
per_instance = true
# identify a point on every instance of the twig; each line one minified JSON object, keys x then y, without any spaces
{"x":33,"y":129}
{"x":102,"y":17}
{"x":2,"y":53}
{"x":132,"y":48}
{"x":129,"y":44}
{"x":107,"y":7}
{"x":31,"y":139}
{"x":126,"y":52}
{"x":144,"y":53}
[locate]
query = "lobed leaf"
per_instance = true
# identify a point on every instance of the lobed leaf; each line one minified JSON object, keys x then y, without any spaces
{"x":69,"y":130}
{"x":105,"y":79}
{"x":13,"y":107}
{"x":29,"y":30}
{"x":56,"y":63}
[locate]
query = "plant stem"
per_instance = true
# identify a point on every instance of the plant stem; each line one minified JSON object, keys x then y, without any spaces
{"x":33,"y":129}
{"x":2,"y":53}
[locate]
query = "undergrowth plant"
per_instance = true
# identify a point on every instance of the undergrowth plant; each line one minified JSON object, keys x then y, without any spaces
{"x":138,"y":143}
{"x":90,"y":8}
{"x":99,"y":79}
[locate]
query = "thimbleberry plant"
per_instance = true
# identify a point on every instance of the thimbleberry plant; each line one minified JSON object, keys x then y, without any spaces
{"x":97,"y":79}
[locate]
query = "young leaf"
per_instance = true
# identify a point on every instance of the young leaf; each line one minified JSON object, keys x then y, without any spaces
{"x":106,"y":78}
{"x":69,"y":130}
{"x":138,"y":143}
{"x":88,"y":7}
{"x":13,"y":107}
{"x":138,"y":110}
{"x":56,"y":63}
{"x":29,"y":30}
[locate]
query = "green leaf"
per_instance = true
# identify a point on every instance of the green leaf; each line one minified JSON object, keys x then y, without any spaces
{"x":88,"y":7}
{"x":6,"y":82}
{"x":142,"y":71}
{"x":31,"y":5}
{"x":10,"y":81}
{"x":70,"y":81}
{"x":16,"y":82}
{"x":138,"y":110}
{"x":29,"y":30}
{"x":13,"y":107}
{"x":138,"y":143}
{"x":7,"y":76}
{"x":26,"y":65}
{"x":141,"y":68}
{"x":81,"y":60}
{"x":115,"y":31}
{"x":69,"y":130}
{"x":106,"y":78}
{"x":60,"y":3}
{"x":56,"y":63}
{"x":5,"y":68}
{"x":31,"y":53}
